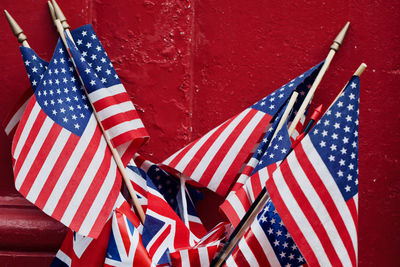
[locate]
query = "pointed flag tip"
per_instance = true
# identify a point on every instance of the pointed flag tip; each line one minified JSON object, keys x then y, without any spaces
{"x":17,"y":30}
{"x":340,"y":37}
{"x":52,"y":12}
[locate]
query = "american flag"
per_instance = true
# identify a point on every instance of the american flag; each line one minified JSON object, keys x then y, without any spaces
{"x":78,"y":250}
{"x":60,"y":158}
{"x":315,"y":190}
{"x":112,"y":103}
{"x":171,"y":189}
{"x":266,"y":243}
{"x":163,"y":230}
{"x":125,"y":247}
{"x":215,"y":159}
{"x":239,"y":202}
{"x":35,"y":68}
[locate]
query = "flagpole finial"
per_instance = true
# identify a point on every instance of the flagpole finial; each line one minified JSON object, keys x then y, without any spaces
{"x":360,"y":69}
{"x":17,"y":30}
{"x":60,"y":15}
{"x":52,"y":11}
{"x":339,"y":38}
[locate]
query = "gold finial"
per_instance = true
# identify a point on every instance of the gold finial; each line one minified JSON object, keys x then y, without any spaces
{"x":17,"y":30}
{"x":60,"y":15}
{"x":339,"y":38}
{"x":52,"y":12}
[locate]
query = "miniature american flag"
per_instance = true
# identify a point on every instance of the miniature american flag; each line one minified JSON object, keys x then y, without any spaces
{"x":315,"y":190}
{"x":60,"y":158}
{"x":215,"y":159}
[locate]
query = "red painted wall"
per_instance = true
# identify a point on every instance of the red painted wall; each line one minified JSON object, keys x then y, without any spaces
{"x":190,"y":65}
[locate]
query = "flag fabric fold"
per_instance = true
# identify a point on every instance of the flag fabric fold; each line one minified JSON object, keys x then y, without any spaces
{"x":215,"y":160}
{"x":61,"y":160}
{"x":315,"y":190}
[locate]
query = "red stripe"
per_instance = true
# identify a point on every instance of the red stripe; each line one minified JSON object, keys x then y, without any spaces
{"x":160,"y":240}
{"x":119,"y":118}
{"x":230,"y":213}
{"x":22,"y":123}
{"x":240,"y":259}
{"x":194,"y":257}
{"x":55,"y":173}
{"x":223,"y":149}
{"x":353,"y":210}
{"x":78,"y":174}
{"x":128,"y":136}
{"x":240,"y":158}
{"x":328,"y":202}
{"x":107,"y":208}
{"x":256,"y":248}
{"x":132,"y":149}
{"x":93,"y":189}
{"x":41,"y":156}
{"x":309,"y":213}
{"x":177,"y":158}
{"x":123,"y":230}
{"x":290,"y":223}
{"x":112,"y":100}
{"x":29,"y":142}
{"x":195,"y":160}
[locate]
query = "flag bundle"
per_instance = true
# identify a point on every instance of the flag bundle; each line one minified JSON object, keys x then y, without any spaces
{"x":76,"y":133}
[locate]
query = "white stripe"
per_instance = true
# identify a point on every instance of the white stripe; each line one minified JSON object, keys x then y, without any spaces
{"x":247,"y":253}
{"x":237,"y":206}
{"x":334,"y":192}
{"x":259,"y":234}
{"x":48,"y":165}
{"x":203,"y":257}
{"x":64,"y":257}
{"x":214,"y":148}
{"x":27,"y":128}
{"x":16,"y":117}
{"x":185,"y":260}
{"x":121,"y":149}
{"x":106,"y":91}
{"x":230,"y":262}
{"x":99,"y":201}
{"x":192,"y":152}
{"x":234,"y":151}
{"x":124,"y":127}
{"x":299,"y":218}
{"x":356,"y":201}
{"x":70,"y":167}
{"x":194,"y":219}
{"x":319,"y":208}
{"x":85,"y":183}
{"x":114,"y":110}
{"x":30,"y":160}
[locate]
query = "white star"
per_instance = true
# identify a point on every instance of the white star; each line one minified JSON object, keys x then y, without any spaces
{"x":351,"y":166}
{"x":283,"y":150}
{"x":272,"y":221}
{"x":34,"y":82}
{"x":322,"y":143}
{"x":261,"y":104}
{"x":336,"y":125}
{"x":276,"y":243}
{"x":103,"y":80}
{"x":34,"y":57}
{"x":87,"y":70}
{"x":291,"y":256}
{"x":353,"y":85}
{"x":65,"y":119}
{"x":348,"y":118}
{"x":283,"y":254}
{"x":346,"y":129}
{"x":338,"y":114}
{"x":350,"y":107}
{"x":84,"y":33}
{"x":108,"y":72}
{"x":272,"y":99}
{"x":93,"y":57}
{"x":340,"y":173}
{"x":285,"y":245}
{"x":279,"y":233}
{"x":76,"y":125}
{"x":331,"y":158}
{"x":349,"y":177}
{"x":27,"y":62}
{"x":324,"y":133}
{"x":98,"y":48}
{"x":92,"y":82}
{"x":326,"y":122}
{"x":272,"y":107}
{"x":316,"y":131}
{"x":343,"y":150}
{"x":353,"y":155}
{"x":335,"y":136}
{"x":300,"y":259}
{"x":333,"y":147}
{"x":62,"y":110}
{"x":280,"y":138}
{"x":280,"y":95}
{"x":93,"y":36}
{"x":352,"y":96}
{"x":342,"y":162}
{"x":270,"y":231}
{"x":340,"y":104}
{"x":347,"y":188}
{"x":89,"y":45}
{"x":271,"y":156}
{"x":74,"y":117}
{"x":345,"y":140}
{"x":103,"y":60}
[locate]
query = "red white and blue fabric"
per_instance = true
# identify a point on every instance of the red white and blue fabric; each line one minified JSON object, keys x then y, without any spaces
{"x":205,"y":250}
{"x":163,"y":230}
{"x":60,"y":158}
{"x":250,"y":183}
{"x":266,"y":243}
{"x":215,"y":160}
{"x":125,"y":247}
{"x":77,"y":250}
{"x":315,"y":190}
{"x":112,"y":103}
{"x":181,"y":198}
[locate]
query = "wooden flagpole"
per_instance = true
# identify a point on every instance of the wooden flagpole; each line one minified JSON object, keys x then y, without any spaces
{"x":333,"y":49}
{"x":114,"y":152}
{"x":60,"y":15}
{"x":285,"y":115}
{"x":17,"y":30}
{"x":255,"y":208}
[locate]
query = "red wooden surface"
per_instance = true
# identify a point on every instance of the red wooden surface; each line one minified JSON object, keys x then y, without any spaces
{"x":189,"y":65}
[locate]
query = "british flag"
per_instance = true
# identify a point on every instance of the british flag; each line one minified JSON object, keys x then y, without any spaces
{"x":315,"y":190}
{"x":215,"y":159}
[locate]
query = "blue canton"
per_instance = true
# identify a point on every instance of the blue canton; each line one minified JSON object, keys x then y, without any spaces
{"x":281,"y":241}
{"x":35,"y":66}
{"x":335,"y":137}
{"x":61,"y":95}
{"x":93,"y":53}
{"x":272,"y":103}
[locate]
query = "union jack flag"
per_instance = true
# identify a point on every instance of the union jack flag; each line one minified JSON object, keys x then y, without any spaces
{"x":61,"y":161}
{"x":215,"y":159}
{"x":125,"y":247}
{"x":315,"y":190}
{"x":266,"y":243}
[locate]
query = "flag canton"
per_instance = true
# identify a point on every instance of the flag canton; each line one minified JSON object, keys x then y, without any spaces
{"x":35,"y":66}
{"x":272,"y":103}
{"x":281,"y":241}
{"x":277,"y":150}
{"x":61,"y":95}
{"x":93,"y":53}
{"x":126,"y":230}
{"x":335,"y":137}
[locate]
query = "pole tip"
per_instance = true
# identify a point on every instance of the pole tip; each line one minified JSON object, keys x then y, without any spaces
{"x":60,"y":15}
{"x":17,"y":30}
{"x":340,"y":37}
{"x":360,"y":69}
{"x":52,"y":12}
